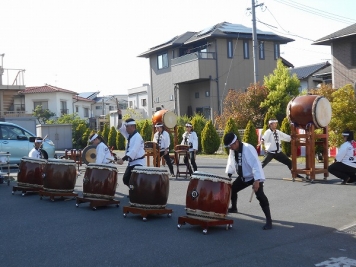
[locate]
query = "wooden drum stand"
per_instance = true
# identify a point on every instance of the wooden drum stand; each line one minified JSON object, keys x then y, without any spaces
{"x":309,"y":139}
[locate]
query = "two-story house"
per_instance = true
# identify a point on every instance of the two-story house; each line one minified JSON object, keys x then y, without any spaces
{"x":343,"y":50}
{"x":139,"y":99}
{"x":193,"y":72}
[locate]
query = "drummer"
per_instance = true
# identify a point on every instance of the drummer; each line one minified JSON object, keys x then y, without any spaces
{"x":103,"y":153}
{"x":36,"y":150}
{"x":271,"y":139}
{"x":161,"y":137}
{"x":190,"y":139}
{"x":135,"y":152}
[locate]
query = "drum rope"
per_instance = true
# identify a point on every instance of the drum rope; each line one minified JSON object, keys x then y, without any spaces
{"x":59,"y":190}
{"x":205,"y":214}
{"x":30,"y":185}
{"x":147,"y":206}
{"x":98,"y":196}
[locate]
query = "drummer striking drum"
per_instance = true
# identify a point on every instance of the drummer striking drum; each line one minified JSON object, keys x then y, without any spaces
{"x":190,"y":139}
{"x":103,"y":154}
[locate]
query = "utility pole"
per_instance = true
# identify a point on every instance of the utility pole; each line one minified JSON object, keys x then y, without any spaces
{"x":254,"y":40}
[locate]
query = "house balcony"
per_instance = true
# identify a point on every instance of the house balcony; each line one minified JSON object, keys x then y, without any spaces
{"x":193,"y":67}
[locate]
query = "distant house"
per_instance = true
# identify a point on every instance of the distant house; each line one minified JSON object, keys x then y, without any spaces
{"x":343,"y":50}
{"x":193,"y":72}
{"x":312,"y":75}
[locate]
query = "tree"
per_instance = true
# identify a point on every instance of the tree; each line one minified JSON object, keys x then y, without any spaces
{"x":120,"y":141}
{"x":210,"y":140}
{"x":230,"y":127}
{"x":198,"y":123}
{"x":286,"y":146}
{"x":112,"y":137}
{"x":42,"y":115}
{"x":250,"y":135}
{"x":105,"y":132}
{"x":282,"y":87}
{"x":146,"y":131}
{"x":79,"y":135}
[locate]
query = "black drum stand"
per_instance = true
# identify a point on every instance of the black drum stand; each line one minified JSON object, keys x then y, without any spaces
{"x":97,"y":202}
{"x":204,"y":223}
{"x":53,"y":194}
{"x":25,"y":189}
{"x":144,"y":212}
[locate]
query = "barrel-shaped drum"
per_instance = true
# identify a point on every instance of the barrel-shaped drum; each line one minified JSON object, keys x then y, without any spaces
{"x":151,"y":146}
{"x":181,"y":148}
{"x":149,"y":187}
{"x":168,"y":118}
{"x":100,"y":181}
{"x":30,"y":172}
{"x":306,"y":109}
{"x":59,"y":175}
{"x":208,"y":196}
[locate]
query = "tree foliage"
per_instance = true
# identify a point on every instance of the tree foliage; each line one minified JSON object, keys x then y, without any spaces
{"x":210,"y":140}
{"x":146,"y":131}
{"x":198,"y":122}
{"x":42,"y":115}
{"x":250,"y":134}
{"x":282,"y":87}
{"x":230,"y":127}
{"x":112,"y":137}
{"x":286,"y":146}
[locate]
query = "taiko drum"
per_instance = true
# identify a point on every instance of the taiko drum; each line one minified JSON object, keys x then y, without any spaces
{"x":307,"y":109}
{"x":30,"y":172}
{"x":59,"y":175}
{"x":149,"y":187}
{"x":208,"y":196}
{"x":168,"y":118}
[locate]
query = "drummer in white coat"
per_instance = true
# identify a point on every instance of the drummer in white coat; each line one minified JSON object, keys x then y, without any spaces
{"x":190,"y":139}
{"x":36,"y":150}
{"x":135,"y":152}
{"x":103,"y":153}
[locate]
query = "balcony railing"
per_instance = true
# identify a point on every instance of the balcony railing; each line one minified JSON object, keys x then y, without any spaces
{"x":64,"y":111}
{"x":193,"y":56}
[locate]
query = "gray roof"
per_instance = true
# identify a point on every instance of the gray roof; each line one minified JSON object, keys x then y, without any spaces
{"x":89,"y":95}
{"x":346,"y":32}
{"x":220,"y":30}
{"x":306,"y":71}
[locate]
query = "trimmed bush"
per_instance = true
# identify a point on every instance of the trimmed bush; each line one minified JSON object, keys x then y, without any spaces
{"x":210,"y":140}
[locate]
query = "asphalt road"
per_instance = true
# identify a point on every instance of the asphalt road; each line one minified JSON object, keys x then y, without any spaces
{"x":313,"y":225}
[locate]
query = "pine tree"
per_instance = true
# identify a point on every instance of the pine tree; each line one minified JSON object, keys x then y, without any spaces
{"x":105,"y":133}
{"x":285,"y":128}
{"x":198,"y":123}
{"x":210,"y":140}
{"x":146,"y":131}
{"x":112,"y":138}
{"x":120,"y":141}
{"x":250,"y":135}
{"x":230,"y":127}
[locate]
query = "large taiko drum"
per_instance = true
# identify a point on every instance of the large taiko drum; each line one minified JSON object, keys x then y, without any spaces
{"x":100,"y":181}
{"x":208,"y":196}
{"x":59,"y":175}
{"x":151,"y":146}
{"x":306,"y":109}
{"x":149,"y":187}
{"x":30,"y":172}
{"x":181,"y":147}
{"x":168,"y":118}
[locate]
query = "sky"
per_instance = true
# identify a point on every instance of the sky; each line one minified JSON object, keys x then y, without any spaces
{"x":92,"y":45}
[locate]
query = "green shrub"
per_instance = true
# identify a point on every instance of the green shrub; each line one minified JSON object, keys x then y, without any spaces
{"x":230,"y":127}
{"x":112,"y":138}
{"x":210,"y":140}
{"x":250,"y":135}
{"x":286,"y":146}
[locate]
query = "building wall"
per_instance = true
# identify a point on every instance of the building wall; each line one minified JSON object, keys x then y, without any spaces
{"x":81,"y":105}
{"x":343,"y":72}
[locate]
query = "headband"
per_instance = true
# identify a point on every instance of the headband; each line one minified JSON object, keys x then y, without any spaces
{"x":345,"y":134}
{"x":38,"y":141}
{"x":130,"y":123}
{"x":93,"y":138}
{"x":188,"y":125}
{"x":272,"y":121}
{"x":159,"y":125}
{"x":233,"y":141}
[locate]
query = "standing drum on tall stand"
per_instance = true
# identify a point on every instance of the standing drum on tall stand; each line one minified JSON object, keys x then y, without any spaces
{"x":59,"y":179}
{"x":99,"y":185}
{"x":309,"y":112}
{"x":149,"y":190}
{"x":207,"y":201}
{"x":29,"y":176}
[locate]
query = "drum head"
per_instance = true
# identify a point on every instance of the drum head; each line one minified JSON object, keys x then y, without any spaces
{"x":169,"y":119}
{"x":89,"y":154}
{"x":321,"y":112}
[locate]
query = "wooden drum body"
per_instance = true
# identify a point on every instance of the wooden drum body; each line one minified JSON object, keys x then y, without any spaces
{"x":168,"y":118}
{"x":181,"y":148}
{"x":30,"y":172}
{"x":100,"y":181}
{"x":306,"y":109}
{"x":149,"y":187}
{"x":208,"y":196}
{"x":151,"y":146}
{"x":60,"y":175}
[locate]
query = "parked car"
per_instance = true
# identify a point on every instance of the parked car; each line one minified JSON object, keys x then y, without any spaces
{"x":15,"y":140}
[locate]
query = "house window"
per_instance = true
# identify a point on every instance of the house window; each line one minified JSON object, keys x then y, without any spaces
{"x":143,"y":102}
{"x":276,"y":51}
{"x":99,"y":107}
{"x":111,"y":107}
{"x":86,"y":112}
{"x":162,"y":61}
{"x":246,"y":50}
{"x":44,"y":104}
{"x":157,"y":100}
{"x":197,"y":95}
{"x":353,"y":54}
{"x":76,"y":109}
{"x":261,"y":49}
{"x":207,"y":93}
{"x":130,"y":104}
{"x":230,"y":52}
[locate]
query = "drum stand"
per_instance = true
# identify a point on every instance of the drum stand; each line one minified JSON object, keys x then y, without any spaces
{"x":181,"y":154}
{"x":25,"y":189}
{"x":97,"y":202}
{"x":53,"y":194}
{"x":205,"y":224}
{"x":310,"y":139}
{"x":145,"y":212}
{"x":154,"y":153}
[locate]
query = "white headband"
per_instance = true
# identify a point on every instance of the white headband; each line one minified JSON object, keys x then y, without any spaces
{"x":188,"y":125}
{"x":271,"y":121}
{"x":38,"y":141}
{"x":345,"y":134}
{"x":130,"y":123}
{"x":233,"y":141}
{"x":158,"y":125}
{"x":93,"y":138}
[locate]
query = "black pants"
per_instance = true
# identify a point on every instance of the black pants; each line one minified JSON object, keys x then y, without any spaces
{"x":239,"y":185}
{"x":281,"y":157}
{"x":127,"y":174}
{"x":168,"y":161}
{"x":343,"y":171}
{"x":192,"y":160}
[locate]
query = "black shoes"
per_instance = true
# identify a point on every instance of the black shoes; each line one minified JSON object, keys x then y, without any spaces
{"x":345,"y":180}
{"x":232,"y":210}
{"x":299,"y":176}
{"x":268,"y":225}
